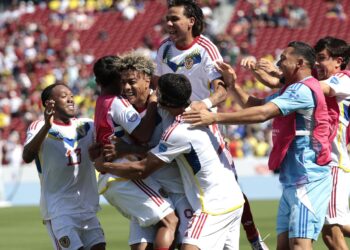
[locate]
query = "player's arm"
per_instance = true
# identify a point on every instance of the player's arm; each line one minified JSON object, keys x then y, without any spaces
{"x":264,"y":71}
{"x":143,"y":132}
{"x":130,"y":170}
{"x":230,"y":77}
{"x":246,"y":116}
{"x":31,"y":149}
{"x":327,"y":90}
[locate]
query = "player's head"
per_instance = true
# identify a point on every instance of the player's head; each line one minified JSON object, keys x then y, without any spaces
{"x":183,"y":17}
{"x":174,"y":91}
{"x":107,"y":72}
{"x":297,"y":56}
{"x":136,"y":74}
{"x":332,"y":56}
{"x":63,"y":97}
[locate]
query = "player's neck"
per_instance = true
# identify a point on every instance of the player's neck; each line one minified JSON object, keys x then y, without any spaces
{"x":186,"y":43}
{"x":110,"y":90}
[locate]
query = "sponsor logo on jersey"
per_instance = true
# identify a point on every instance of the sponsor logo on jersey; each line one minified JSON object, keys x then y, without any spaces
{"x":131,"y":116}
{"x":64,"y":241}
{"x":162,"y":147}
{"x":334,"y":80}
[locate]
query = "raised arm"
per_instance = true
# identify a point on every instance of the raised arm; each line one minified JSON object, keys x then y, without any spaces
{"x":31,"y":149}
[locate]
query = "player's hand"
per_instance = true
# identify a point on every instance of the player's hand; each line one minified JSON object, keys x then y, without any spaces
{"x":198,"y":105}
{"x":98,"y":163}
{"x":227,"y":72}
{"x":109,"y":152}
{"x":268,"y":67}
{"x":199,"y":118}
{"x":95,"y":150}
{"x":49,"y":112}
{"x":153,"y":97}
{"x":249,"y":62}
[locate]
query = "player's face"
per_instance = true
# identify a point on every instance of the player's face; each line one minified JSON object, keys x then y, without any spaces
{"x":178,"y":25}
{"x":288,"y":63}
{"x":136,"y":87}
{"x":64,"y":103}
{"x":326,"y":65}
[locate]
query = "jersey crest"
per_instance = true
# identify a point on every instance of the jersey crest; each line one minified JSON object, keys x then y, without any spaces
{"x":191,"y":59}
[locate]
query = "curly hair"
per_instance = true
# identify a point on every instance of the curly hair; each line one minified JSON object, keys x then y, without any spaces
{"x":137,"y":61}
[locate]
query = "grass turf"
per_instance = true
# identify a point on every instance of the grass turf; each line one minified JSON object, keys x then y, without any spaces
{"x":22,"y":228}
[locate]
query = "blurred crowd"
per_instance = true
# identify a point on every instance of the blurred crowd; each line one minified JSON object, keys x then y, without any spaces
{"x":30,"y":59}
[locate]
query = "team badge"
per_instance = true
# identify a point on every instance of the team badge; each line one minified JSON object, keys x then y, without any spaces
{"x":64,"y":241}
{"x":131,"y":116}
{"x":162,"y":147}
{"x":188,"y":63}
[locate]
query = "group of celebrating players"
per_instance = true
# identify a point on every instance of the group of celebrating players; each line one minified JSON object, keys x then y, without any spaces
{"x":163,"y":163}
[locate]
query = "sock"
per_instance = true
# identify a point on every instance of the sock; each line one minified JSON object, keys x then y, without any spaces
{"x":248,"y":222}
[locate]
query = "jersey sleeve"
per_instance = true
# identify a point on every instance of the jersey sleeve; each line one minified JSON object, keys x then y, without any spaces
{"x":32,"y":130}
{"x":297,"y":96}
{"x":340,"y":83}
{"x":172,"y":144}
{"x":124,"y":115}
{"x":212,"y":55}
{"x":158,"y":60}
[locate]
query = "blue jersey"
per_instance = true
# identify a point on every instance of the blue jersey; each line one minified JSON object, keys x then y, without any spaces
{"x":299,"y":165}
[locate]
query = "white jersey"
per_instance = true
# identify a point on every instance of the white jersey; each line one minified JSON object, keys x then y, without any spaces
{"x":168,"y":176}
{"x":197,"y":62}
{"x":206,"y":167}
{"x":340,"y":83}
{"x":67,"y":176}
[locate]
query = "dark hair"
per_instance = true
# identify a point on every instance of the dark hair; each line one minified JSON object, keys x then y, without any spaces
{"x":47,"y":92}
{"x":335,"y":47}
{"x":174,"y":90}
{"x":191,"y":9}
{"x":107,"y":70}
{"x":304,"y":50}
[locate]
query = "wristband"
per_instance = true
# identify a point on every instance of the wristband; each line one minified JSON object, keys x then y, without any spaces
{"x":207,"y":103}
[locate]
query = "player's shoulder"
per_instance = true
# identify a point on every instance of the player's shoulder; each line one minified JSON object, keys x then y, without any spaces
{"x":177,"y":130}
{"x":209,"y":47}
{"x":164,"y":43}
{"x":35,"y":125}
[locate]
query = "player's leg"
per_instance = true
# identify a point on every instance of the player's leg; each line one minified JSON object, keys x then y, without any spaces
{"x":283,"y":223}
{"x":282,"y":241}
{"x":333,"y":237}
{"x":141,"y":238}
{"x":337,"y":222}
{"x":166,"y":230}
{"x":308,"y":205}
{"x":250,"y":229}
{"x":91,"y":232}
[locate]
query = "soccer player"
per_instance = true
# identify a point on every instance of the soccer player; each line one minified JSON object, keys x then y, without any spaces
{"x":188,"y":52}
{"x":332,"y":57}
{"x":206,"y":169}
{"x":136,"y":73}
{"x":139,"y":200}
{"x":301,"y":145}
{"x":69,"y":198}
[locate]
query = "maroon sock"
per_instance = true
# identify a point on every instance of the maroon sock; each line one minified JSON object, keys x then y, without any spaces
{"x":248,"y":222}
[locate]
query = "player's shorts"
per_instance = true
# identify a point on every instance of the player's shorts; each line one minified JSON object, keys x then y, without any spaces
{"x":302,"y":209}
{"x":139,"y":199}
{"x":209,"y":232}
{"x":338,"y":209}
{"x":75,"y":231}
{"x":184,"y":212}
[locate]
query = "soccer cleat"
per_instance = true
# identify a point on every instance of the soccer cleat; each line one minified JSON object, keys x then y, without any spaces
{"x":259,"y":243}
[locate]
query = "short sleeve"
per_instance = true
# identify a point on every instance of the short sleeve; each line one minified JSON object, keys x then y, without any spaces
{"x":125,"y":115}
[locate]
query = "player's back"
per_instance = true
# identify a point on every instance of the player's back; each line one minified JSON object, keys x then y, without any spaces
{"x":206,"y":169}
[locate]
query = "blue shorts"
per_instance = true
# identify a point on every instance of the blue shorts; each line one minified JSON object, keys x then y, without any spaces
{"x":303,"y":208}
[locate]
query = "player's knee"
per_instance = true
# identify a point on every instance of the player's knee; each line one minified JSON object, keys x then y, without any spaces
{"x":170,"y":221}
{"x":99,"y":246}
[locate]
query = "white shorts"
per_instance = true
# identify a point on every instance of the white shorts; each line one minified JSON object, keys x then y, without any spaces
{"x":218,"y":232}
{"x":338,"y":209}
{"x":183,"y":211}
{"x":75,"y":231}
{"x":139,"y":199}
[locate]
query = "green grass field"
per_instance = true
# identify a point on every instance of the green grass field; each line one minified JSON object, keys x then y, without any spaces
{"x":21,"y":228}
